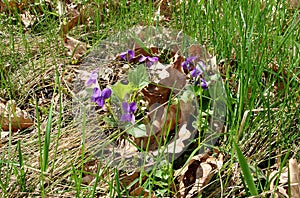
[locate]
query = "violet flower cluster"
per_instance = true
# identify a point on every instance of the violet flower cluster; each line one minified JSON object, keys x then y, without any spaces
{"x":148,"y":59}
{"x":129,"y":109}
{"x":196,"y":71}
{"x":128,"y":55}
{"x":99,"y":96}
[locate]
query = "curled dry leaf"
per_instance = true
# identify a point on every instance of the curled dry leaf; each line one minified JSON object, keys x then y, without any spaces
{"x":179,"y":59}
{"x":197,"y":50}
{"x":162,"y":119}
{"x":136,"y":190}
{"x":141,"y":192}
{"x":19,"y":118}
{"x":175,"y":80}
{"x":27,"y":18}
{"x":197,"y":174}
{"x":156,"y":94}
{"x":282,"y":189}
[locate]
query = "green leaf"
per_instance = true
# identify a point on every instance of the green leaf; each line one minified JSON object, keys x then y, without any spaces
{"x":120,"y":90}
{"x":110,"y":121}
{"x":137,"y":131}
{"x":139,"y":77}
{"x":188,"y":95}
{"x":246,"y":170}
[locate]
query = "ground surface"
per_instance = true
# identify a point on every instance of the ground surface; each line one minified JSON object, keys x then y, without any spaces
{"x":256,"y":45}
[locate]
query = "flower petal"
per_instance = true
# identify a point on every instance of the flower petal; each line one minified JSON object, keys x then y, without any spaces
{"x":142,"y":59}
{"x":195,"y":72}
{"x":91,"y":81}
{"x":96,"y":94}
{"x":132,"y":107}
{"x":132,"y":119}
{"x":123,"y":55}
{"x":203,"y":84}
{"x":131,"y":54}
{"x":100,"y":102}
{"x":190,"y":59}
{"x":153,"y":59}
{"x":184,"y":65}
{"x":93,"y":78}
{"x":126,"y":107}
{"x":126,"y":117}
{"x":106,"y":93}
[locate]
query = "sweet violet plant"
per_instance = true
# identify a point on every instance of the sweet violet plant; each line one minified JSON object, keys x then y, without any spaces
{"x":186,"y":64}
{"x":149,"y":60}
{"x":128,"y":55}
{"x":129,"y":109}
{"x":196,"y":71}
{"x":93,"y":78}
{"x":203,"y":83}
{"x":100,"y":96}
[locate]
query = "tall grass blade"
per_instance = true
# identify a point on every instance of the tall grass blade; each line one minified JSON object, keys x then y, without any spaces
{"x":246,"y":170}
{"x":47,"y":139}
{"x":22,"y":172}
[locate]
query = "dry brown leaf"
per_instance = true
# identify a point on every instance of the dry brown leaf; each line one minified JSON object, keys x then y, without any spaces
{"x":197,"y":50}
{"x":162,"y":119}
{"x":197,"y":174}
{"x":27,"y":18}
{"x":178,"y":63}
{"x":19,"y":118}
{"x":71,"y":11}
{"x":156,"y":94}
{"x":90,"y":170}
{"x":175,"y":79}
{"x":282,"y":188}
{"x":76,"y":49}
{"x":140,"y":191}
{"x":294,"y":178}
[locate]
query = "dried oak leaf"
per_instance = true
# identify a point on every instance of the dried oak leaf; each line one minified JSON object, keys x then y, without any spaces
{"x":91,"y":169}
{"x":197,"y":50}
{"x":282,"y":188}
{"x":197,"y":174}
{"x":136,"y":190}
{"x":162,"y":119}
{"x":179,"y":59}
{"x":175,"y":79}
{"x":19,"y":118}
{"x":27,"y":18}
{"x":156,"y":94}
{"x":141,"y":192}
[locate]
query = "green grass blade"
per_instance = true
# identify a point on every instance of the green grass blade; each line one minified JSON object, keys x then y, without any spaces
{"x":47,"y":138}
{"x":246,"y":170}
{"x":22,"y":172}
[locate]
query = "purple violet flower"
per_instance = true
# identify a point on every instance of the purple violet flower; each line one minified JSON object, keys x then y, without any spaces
{"x":150,"y":60}
{"x":198,"y":70}
{"x":203,"y":84}
{"x":128,"y":109}
{"x":127,"y":55}
{"x":93,"y":78}
{"x":100,"y":96}
{"x":186,"y":64}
